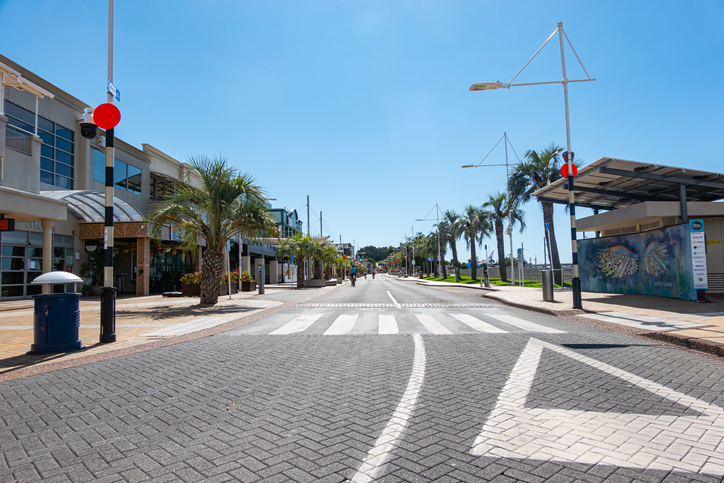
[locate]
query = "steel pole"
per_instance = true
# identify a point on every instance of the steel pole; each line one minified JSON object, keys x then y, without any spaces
{"x":510,"y":212}
{"x":108,"y":294}
{"x":576,"y":281}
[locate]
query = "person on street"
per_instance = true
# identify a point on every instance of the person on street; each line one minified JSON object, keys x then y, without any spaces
{"x":353,"y":274}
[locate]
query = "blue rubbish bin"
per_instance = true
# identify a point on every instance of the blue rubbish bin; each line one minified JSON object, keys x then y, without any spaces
{"x":56,"y":320}
{"x":56,"y":323}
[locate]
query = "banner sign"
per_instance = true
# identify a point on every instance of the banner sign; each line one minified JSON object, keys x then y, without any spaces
{"x":698,"y":254}
{"x":657,"y":262}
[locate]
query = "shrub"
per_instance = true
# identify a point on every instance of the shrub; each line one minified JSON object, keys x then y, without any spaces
{"x":191,"y":278}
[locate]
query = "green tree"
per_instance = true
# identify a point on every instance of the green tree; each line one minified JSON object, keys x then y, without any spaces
{"x":476,"y":227}
{"x":496,"y":210}
{"x":225,"y":204}
{"x":454,"y":232}
{"x":538,"y":170}
{"x":301,"y":247}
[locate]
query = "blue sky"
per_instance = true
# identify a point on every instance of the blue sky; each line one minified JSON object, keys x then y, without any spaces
{"x":364,"y":106}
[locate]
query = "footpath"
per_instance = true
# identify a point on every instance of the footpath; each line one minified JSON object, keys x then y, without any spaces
{"x":697,"y":326}
{"x":142,"y":323}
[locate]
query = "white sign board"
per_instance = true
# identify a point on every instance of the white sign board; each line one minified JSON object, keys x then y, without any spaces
{"x":698,"y":254}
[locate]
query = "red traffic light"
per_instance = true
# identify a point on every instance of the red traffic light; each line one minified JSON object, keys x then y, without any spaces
{"x":564,"y":170}
{"x":106,"y":116}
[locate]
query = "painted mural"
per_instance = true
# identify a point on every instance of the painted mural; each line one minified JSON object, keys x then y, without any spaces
{"x":656,"y":262}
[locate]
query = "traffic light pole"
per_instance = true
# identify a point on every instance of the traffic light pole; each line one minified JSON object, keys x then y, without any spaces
{"x":108,"y":294}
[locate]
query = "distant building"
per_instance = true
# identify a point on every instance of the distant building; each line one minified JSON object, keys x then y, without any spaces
{"x":287,"y":221}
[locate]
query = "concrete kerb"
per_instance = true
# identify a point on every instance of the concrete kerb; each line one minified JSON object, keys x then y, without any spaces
{"x":110,"y":354}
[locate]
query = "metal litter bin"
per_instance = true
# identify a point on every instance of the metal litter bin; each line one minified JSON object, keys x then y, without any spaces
{"x":56,"y":320}
{"x":547,"y":279}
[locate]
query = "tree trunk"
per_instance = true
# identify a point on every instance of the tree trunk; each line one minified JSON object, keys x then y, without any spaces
{"x":212,"y":270}
{"x":501,"y":251}
{"x":441,"y":262}
{"x":473,"y":259}
{"x":548,"y":218}
{"x":300,"y":274}
{"x":317,"y":269}
{"x":454,"y":248}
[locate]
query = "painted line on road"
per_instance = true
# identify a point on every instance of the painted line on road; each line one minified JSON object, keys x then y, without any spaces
{"x":478,"y":324}
{"x":343,"y":324}
{"x":524,"y":324}
{"x":432,"y":325}
{"x":388,"y":325}
{"x":397,"y":304}
{"x":379,"y":454}
{"x":299,"y":324}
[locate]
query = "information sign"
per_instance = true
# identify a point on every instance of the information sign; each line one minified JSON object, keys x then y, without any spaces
{"x":698,"y":254}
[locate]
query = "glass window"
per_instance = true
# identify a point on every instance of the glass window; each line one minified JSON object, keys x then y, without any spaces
{"x":120,"y":174}
{"x":63,"y":157}
{"x":65,"y":183}
{"x":64,"y":170}
{"x":45,"y":124}
{"x":35,"y":264}
{"x":12,"y":291}
{"x":99,"y":165}
{"x":9,"y":263}
{"x":13,"y":110}
{"x":35,"y":252}
{"x":11,"y":251}
{"x":64,"y":133}
{"x":13,"y":278}
{"x":46,"y":151}
{"x":46,"y":137}
{"x":46,"y":164}
{"x":134,"y":179}
{"x":64,"y":145}
{"x":46,"y":178}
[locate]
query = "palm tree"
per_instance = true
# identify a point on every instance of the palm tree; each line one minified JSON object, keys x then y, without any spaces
{"x":225,"y":204}
{"x":301,"y":247}
{"x":538,"y":171}
{"x":330,"y":257}
{"x":497,"y":211}
{"x":454,"y":231}
{"x":474,"y":223}
{"x":444,"y":231}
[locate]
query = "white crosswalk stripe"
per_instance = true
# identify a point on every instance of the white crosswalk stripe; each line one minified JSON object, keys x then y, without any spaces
{"x":432,"y":325}
{"x":299,"y":324}
{"x":343,"y":325}
{"x":388,"y":324}
{"x":524,"y":324}
{"x":478,"y":324}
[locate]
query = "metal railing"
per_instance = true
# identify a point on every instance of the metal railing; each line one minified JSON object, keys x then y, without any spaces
{"x":18,"y":140}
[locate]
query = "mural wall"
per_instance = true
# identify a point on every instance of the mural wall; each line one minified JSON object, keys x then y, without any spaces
{"x":656,"y":262}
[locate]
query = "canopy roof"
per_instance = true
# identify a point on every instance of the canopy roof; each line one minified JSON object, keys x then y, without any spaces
{"x":89,"y":206}
{"x":611,"y":183}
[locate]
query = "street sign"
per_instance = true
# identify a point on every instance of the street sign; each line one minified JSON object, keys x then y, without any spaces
{"x":431,"y":259}
{"x":292,"y":258}
{"x":113,"y":90}
{"x":106,"y":116}
{"x":260,"y":268}
{"x":547,"y":227}
{"x":413,"y":261}
{"x":564,"y":170}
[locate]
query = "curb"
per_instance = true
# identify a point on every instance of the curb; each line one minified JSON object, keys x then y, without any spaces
{"x":543,"y":310}
{"x":33,"y":370}
{"x":688,"y":342}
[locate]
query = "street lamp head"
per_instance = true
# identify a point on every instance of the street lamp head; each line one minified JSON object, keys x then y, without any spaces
{"x":486,"y":86}
{"x":468,"y":166}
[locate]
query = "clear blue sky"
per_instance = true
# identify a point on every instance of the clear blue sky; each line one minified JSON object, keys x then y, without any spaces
{"x":365,"y":106}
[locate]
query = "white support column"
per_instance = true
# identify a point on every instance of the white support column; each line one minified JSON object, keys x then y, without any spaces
{"x":47,"y":249}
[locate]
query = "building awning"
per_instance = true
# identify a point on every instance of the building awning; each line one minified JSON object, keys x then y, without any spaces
{"x":89,"y":206}
{"x":611,"y":183}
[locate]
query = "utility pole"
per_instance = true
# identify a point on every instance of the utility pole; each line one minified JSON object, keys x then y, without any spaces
{"x":320,"y":225}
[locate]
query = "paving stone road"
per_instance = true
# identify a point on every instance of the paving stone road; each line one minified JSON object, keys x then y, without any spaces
{"x":579,"y":404}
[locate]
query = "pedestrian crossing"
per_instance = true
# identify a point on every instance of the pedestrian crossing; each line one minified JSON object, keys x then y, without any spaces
{"x":365,"y":323}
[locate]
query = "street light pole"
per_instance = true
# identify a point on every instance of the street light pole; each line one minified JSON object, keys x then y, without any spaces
{"x":576,"y":282}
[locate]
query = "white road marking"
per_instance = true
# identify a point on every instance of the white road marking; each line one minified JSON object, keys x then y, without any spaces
{"x":397,"y":304}
{"x":662,"y":442}
{"x":388,"y":324}
{"x":384,"y":445}
{"x":299,"y":324}
{"x":432,"y":325}
{"x":342,"y":325}
{"x":654,"y":323}
{"x":478,"y":324}
{"x":524,"y":324}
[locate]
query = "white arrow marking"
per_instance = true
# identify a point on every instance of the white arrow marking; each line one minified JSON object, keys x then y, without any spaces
{"x":684,"y":443}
